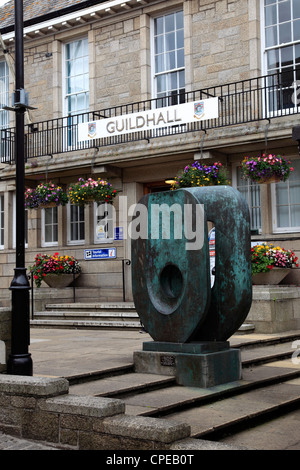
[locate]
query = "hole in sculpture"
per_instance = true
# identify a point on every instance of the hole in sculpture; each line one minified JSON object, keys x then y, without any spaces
{"x":171,"y":281}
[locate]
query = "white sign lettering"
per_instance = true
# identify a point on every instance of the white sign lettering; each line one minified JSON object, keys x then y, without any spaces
{"x":147,"y":120}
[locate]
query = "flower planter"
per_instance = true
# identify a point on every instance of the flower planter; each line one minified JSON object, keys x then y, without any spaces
{"x":49,"y":205}
{"x":272,"y":179}
{"x":272,"y":277}
{"x":59,"y":281}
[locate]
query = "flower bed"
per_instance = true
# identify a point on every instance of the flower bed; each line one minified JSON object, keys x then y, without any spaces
{"x":265,"y":257}
{"x":199,"y":174}
{"x":261,"y":168}
{"x":84,"y":191}
{"x":53,"y":264}
{"x":44,"y":194}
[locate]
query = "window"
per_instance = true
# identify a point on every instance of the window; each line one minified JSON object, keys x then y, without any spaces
{"x":4,"y":117}
{"x":169,"y":72}
{"x":104,"y":223}
{"x":76,"y":84}
{"x":1,"y":221}
{"x":49,"y":226}
{"x":76,"y":224}
{"x":286,"y":202}
{"x":251,"y":192}
{"x":282,"y":52}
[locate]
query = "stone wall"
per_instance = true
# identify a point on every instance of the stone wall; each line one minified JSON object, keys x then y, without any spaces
{"x":275,"y":309}
{"x":41,"y":409}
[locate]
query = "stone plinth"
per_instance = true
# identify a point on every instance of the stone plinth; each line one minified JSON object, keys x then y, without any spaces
{"x":201,"y":364}
{"x":275,"y":309}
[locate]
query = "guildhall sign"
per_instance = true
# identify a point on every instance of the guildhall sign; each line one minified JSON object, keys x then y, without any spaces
{"x":149,"y":120}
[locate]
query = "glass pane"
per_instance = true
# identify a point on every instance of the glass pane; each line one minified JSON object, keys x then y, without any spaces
{"x":170,"y":60}
{"x":273,"y":59}
{"x":271,"y":15}
{"x":283,"y":216}
{"x":48,"y":216}
{"x":170,"y":41}
{"x":161,"y":83}
{"x":74,"y":232}
{"x":295,"y":216}
{"x":159,"y":26}
{"x":173,"y":80}
{"x":284,"y":11}
{"x":294,"y":192}
{"x":282,"y":193}
{"x":48,"y":234}
{"x":180,"y":39}
{"x":287,"y":55}
{"x":296,"y":30}
{"x":179,"y":19}
{"x":159,"y":63}
{"x":81,"y":228}
{"x":180,"y":58}
{"x":181,"y":79}
{"x":54,"y":214}
{"x":159,"y":44}
{"x":169,"y":22}
{"x":296,"y":9}
{"x":55,"y":233}
{"x":285,"y":33}
{"x":271,"y":36}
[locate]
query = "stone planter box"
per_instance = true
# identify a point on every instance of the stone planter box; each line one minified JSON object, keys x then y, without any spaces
{"x":275,"y":309}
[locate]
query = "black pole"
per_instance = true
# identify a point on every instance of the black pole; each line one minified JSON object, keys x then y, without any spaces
{"x":20,"y":362}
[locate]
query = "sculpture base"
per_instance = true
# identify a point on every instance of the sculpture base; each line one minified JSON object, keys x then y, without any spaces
{"x":203,"y":364}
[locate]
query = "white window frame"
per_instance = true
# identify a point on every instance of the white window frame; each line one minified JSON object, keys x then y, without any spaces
{"x":279,"y":46}
{"x":104,"y":233}
{"x":2,"y":222}
{"x":275,"y":227}
{"x":4,"y":94}
{"x":44,"y":243}
{"x":248,"y":199}
{"x":78,"y":222}
{"x":155,"y":74}
{"x":4,"y":122}
{"x":72,"y":132}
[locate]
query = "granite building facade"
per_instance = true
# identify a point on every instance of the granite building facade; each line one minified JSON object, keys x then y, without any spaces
{"x":89,"y":60}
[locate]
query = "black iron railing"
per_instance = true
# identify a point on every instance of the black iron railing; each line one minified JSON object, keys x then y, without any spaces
{"x":255,"y":99}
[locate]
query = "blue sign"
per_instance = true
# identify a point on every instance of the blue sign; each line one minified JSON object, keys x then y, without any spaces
{"x":101,"y":253}
{"x":119,"y":235}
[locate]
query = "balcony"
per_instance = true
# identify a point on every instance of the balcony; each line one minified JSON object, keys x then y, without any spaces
{"x":252,"y":100}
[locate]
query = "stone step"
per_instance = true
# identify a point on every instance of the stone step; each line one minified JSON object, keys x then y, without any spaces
{"x":78,"y":315}
{"x":92,"y":307}
{"x":84,"y":324}
{"x":87,"y":315}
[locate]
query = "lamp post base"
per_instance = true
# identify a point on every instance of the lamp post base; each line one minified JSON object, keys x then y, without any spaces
{"x":19,"y":364}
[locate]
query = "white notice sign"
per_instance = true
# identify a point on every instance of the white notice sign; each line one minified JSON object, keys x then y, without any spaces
{"x":147,"y":120}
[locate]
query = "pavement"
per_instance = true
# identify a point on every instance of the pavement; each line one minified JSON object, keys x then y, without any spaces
{"x":70,"y":352}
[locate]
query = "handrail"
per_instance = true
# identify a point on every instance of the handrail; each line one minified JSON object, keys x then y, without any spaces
{"x":241,"y":102}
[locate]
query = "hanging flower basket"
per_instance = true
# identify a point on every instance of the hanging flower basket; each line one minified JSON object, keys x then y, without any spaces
{"x":266,"y":168}
{"x":45,"y":195}
{"x":267,"y":259}
{"x":56,"y":266}
{"x":86,"y":191}
{"x":59,"y":281}
{"x":199,"y":174}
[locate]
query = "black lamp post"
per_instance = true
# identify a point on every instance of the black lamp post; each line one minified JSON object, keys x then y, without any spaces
{"x":19,"y":361}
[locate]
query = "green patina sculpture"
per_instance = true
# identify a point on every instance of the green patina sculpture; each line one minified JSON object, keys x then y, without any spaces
{"x":171,"y":270}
